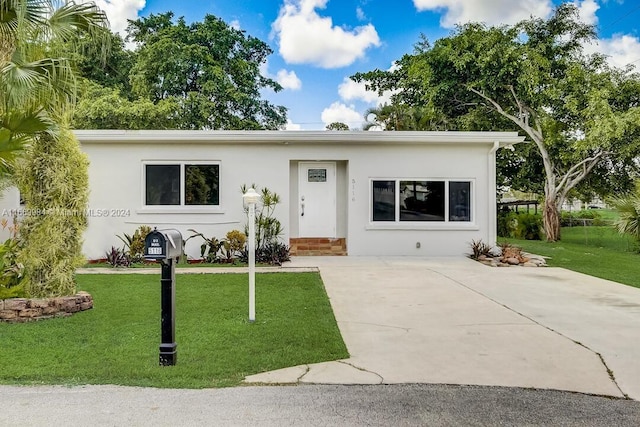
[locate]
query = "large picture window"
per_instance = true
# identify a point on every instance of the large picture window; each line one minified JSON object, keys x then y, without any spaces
{"x":182,"y":184}
{"x":401,"y":200}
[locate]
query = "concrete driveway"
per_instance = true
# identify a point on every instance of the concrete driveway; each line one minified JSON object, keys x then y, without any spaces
{"x":455,"y":321}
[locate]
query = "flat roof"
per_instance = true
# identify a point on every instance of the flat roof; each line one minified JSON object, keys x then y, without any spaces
{"x":297,"y":137}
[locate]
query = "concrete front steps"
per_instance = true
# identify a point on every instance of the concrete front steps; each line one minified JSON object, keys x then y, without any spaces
{"x":317,"y":246}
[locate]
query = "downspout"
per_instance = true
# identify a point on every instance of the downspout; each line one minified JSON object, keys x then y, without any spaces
{"x":492,"y":211}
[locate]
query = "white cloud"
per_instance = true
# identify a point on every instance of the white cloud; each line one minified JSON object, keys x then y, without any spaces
{"x":304,"y":37}
{"x":587,"y":11}
{"x":621,"y":49}
{"x":339,"y":112}
{"x":235,"y":24}
{"x":360,"y":14}
{"x":118,"y":11}
{"x":288,"y":80}
{"x":350,"y":91}
{"x":292,"y":126}
{"x":493,"y":12}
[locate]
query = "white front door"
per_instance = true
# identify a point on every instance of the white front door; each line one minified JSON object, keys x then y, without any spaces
{"x":317,"y":199}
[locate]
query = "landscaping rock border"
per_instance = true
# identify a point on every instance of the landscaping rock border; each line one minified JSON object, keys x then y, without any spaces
{"x":18,"y":310}
{"x":526,"y":260}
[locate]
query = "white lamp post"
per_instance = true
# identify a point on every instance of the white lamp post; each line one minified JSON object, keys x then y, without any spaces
{"x":250,"y":199}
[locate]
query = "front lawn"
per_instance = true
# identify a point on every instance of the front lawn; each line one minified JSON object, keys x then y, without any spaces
{"x":597,"y":251}
{"x":117,"y":342}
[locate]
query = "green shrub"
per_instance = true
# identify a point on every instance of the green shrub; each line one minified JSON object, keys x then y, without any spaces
{"x":53,"y":180}
{"x":269,"y":247}
{"x":507,"y":223}
{"x":11,"y":271}
{"x":209,"y":249}
{"x":529,"y":226}
{"x":134,"y":244}
{"x":233,"y":244}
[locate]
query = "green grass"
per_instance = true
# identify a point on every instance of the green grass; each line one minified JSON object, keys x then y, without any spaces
{"x":597,"y":251}
{"x":117,"y":342}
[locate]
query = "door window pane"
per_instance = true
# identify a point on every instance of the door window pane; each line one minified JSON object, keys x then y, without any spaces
{"x":422,"y":201}
{"x":459,"y":201}
{"x":162,"y":184}
{"x":201,"y":185}
{"x":384,"y":200}
{"x":317,"y":175}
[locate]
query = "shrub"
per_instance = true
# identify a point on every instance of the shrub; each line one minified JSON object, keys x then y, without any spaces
{"x":53,"y":180}
{"x":233,"y":244}
{"x":529,"y":226}
{"x":479,"y":248}
{"x":269,"y":247}
{"x":209,"y":249}
{"x":507,"y":223}
{"x":519,"y":225}
{"x":134,"y":244}
{"x":117,"y":257}
{"x":11,"y":271}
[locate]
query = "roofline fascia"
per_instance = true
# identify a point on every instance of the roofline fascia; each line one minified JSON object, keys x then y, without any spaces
{"x":297,"y":137}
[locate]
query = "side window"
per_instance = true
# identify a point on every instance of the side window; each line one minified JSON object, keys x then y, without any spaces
{"x":400,"y":200}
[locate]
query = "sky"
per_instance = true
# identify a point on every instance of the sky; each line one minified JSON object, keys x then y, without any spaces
{"x":318,"y":44}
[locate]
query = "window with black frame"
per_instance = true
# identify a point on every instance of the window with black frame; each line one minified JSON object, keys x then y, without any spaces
{"x":421,"y":201}
{"x":183,"y":184}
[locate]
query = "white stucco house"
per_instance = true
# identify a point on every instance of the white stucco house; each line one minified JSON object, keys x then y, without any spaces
{"x":355,"y":193}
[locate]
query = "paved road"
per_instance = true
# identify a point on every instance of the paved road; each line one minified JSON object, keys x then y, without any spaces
{"x":311,"y":405}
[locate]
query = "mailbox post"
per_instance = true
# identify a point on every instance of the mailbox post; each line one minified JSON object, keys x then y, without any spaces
{"x":166,"y":246}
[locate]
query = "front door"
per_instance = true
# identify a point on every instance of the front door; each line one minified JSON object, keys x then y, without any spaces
{"x":317,"y":199}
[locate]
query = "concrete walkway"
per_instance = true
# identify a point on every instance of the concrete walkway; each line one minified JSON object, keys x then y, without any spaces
{"x":455,"y":321}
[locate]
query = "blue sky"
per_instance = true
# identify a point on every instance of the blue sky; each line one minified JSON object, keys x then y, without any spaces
{"x":318,"y":44}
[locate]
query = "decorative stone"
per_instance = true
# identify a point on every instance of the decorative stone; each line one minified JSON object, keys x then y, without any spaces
{"x":512,"y":261}
{"x":48,"y":311}
{"x":15,"y":304}
{"x":37,"y":303}
{"x":30,"y":312}
{"x":25,"y":310}
{"x":530,"y":264}
{"x":7,"y":314}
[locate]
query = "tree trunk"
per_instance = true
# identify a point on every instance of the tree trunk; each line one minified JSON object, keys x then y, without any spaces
{"x":551,"y":219}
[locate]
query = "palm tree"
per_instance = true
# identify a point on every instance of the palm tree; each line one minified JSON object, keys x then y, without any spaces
{"x":402,"y":117}
{"x":37,"y":94}
{"x":628,"y":207}
{"x":37,"y":82}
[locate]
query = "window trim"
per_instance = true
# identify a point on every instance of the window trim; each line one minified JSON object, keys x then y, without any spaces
{"x":447,"y":224}
{"x":182,"y":207}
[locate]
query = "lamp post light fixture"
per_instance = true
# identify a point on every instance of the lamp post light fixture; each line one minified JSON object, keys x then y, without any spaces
{"x":250,"y":199}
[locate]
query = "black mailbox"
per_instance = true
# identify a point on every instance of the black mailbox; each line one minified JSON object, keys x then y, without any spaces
{"x":163,"y":245}
{"x":166,"y":247}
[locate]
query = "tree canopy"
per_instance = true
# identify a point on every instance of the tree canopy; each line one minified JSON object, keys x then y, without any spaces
{"x":580,"y":114}
{"x":204,"y":75}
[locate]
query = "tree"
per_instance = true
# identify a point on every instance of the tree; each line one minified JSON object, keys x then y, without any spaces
{"x":107,"y":108}
{"x":208,"y":69}
{"x":37,"y":91}
{"x":533,"y":77}
{"x":34,"y":80}
{"x":337,"y":126}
